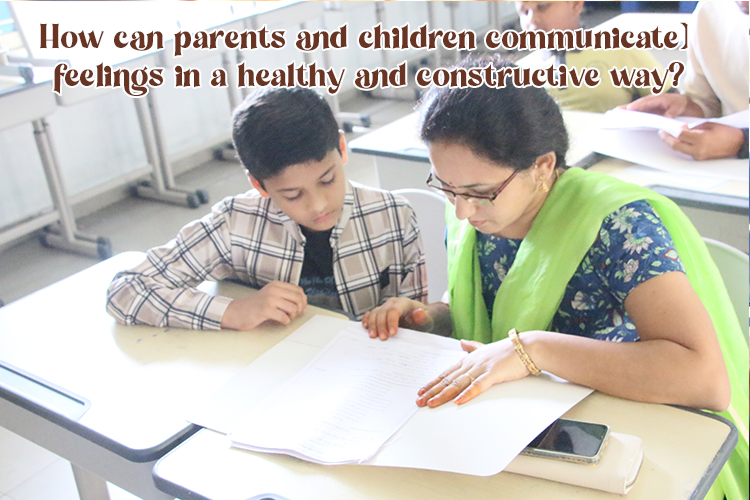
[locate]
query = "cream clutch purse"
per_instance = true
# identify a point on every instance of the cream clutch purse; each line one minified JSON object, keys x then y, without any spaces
{"x":616,"y":471}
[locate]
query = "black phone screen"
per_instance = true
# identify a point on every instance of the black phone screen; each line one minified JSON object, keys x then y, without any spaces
{"x":570,"y":436}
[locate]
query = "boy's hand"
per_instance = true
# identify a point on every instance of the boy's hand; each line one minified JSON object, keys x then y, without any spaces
{"x":383,"y":321}
{"x":277,"y":301}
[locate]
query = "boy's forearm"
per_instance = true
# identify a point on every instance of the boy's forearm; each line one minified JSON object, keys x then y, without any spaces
{"x":134,"y":299}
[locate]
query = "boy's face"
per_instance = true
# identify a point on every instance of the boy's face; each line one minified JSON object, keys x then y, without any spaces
{"x":548,"y":16}
{"x":312,"y":193}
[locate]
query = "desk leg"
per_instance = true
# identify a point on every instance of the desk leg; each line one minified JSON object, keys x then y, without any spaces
{"x":161,"y":187}
{"x":65,"y":234}
{"x":90,"y":486}
{"x":92,"y":458}
{"x":226,"y":151}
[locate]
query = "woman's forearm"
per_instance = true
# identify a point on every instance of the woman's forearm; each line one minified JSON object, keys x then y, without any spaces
{"x":656,"y":371}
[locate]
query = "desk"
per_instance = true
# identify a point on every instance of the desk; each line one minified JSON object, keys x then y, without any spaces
{"x":126,"y":386}
{"x":31,"y":102}
{"x":401,"y":161}
{"x":206,"y":467}
{"x":29,"y":17}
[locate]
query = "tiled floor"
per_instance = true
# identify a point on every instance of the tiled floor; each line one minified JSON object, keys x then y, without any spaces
{"x":29,"y":472}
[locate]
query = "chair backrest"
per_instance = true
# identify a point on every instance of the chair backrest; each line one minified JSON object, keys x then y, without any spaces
{"x":430,"y":209}
{"x":735,"y":271}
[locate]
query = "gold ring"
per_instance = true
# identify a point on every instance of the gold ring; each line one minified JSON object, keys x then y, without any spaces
{"x":472,"y":378}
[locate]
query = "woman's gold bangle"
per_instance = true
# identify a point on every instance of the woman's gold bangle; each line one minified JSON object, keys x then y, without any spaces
{"x":525,"y":359}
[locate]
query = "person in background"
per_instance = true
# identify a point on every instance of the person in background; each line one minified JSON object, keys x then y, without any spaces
{"x":600,"y":282}
{"x":715,"y":84}
{"x":548,"y":16}
{"x":303,"y":235}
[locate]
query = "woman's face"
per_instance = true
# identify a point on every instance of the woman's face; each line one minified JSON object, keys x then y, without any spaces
{"x":458,"y":169}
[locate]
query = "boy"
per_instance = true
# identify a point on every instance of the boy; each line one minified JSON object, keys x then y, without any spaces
{"x":304,"y":235}
{"x":549,"y":16}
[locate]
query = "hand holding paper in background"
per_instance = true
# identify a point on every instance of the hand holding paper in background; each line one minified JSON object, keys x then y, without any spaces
{"x":632,"y":136}
{"x":624,"y":119}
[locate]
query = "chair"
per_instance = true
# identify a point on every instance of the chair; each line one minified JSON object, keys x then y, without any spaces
{"x":430,"y":209}
{"x":735,"y":271}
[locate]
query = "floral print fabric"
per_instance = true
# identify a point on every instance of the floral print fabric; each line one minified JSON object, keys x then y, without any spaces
{"x":633,"y":246}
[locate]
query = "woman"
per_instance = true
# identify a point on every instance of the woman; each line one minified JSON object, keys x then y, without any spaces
{"x":608,"y":284}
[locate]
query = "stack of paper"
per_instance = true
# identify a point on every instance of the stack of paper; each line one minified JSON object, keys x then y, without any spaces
{"x":330,"y":394}
{"x":346,"y":403}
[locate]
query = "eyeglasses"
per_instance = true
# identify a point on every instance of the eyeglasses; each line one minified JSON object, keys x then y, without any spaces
{"x":475,"y":199}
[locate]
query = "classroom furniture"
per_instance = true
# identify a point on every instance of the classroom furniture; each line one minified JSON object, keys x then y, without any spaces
{"x":734,"y":267}
{"x":161,"y":185}
{"x":302,"y":15}
{"x":684,"y":451}
{"x":430,"y":209}
{"x":107,"y":397}
{"x":27,"y":99}
{"x":401,"y":161}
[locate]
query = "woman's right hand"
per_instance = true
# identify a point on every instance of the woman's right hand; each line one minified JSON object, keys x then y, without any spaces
{"x":484,"y":366}
{"x":383,"y":321}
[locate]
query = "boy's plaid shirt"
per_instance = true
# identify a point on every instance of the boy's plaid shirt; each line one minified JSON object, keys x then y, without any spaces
{"x":377,"y":254}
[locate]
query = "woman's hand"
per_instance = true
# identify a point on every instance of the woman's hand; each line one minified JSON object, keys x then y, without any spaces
{"x":383,"y":321}
{"x":484,"y":366}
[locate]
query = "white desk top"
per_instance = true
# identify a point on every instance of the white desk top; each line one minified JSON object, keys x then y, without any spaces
{"x":23,"y":103}
{"x":679,"y":449}
{"x":137,"y":379}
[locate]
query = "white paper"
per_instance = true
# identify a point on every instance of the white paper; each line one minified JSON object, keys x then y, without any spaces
{"x":480,"y":437}
{"x":483,"y":436}
{"x":623,"y":119}
{"x":346,"y":403}
{"x":645,"y":147}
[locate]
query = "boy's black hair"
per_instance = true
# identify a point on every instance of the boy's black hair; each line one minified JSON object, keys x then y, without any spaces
{"x":277,"y":127}
{"x":510,"y":126}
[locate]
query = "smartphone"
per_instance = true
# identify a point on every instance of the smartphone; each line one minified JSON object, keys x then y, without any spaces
{"x":571,"y":441}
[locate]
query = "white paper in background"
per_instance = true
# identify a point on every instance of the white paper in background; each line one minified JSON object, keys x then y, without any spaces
{"x":645,"y":147}
{"x":624,"y":119}
{"x":347,"y":402}
{"x":659,"y":177}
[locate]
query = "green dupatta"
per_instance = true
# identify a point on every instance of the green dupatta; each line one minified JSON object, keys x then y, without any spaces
{"x":560,"y":236}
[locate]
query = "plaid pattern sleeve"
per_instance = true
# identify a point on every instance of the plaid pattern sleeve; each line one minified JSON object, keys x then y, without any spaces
{"x":161,"y":290}
{"x":377,"y":253}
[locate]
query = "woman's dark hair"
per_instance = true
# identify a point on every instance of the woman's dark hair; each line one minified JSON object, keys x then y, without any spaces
{"x":510,"y":126}
{"x":275,"y":128}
